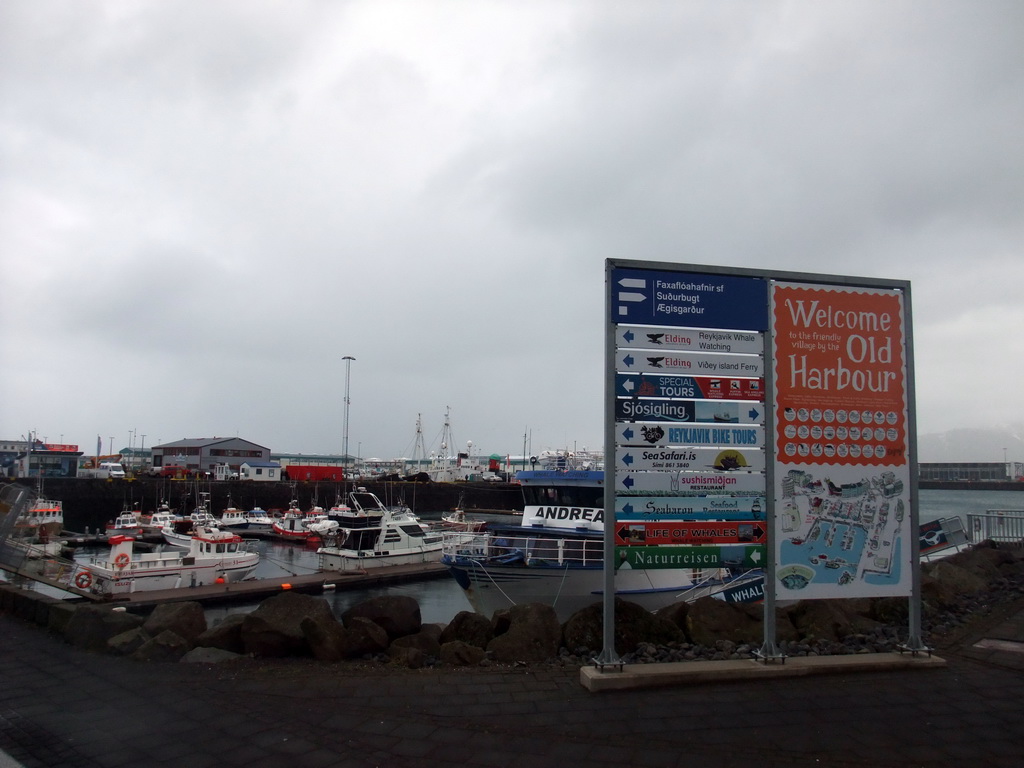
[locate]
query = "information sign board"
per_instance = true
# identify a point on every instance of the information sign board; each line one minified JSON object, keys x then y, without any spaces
{"x":698,"y":411}
{"x":689,"y":508}
{"x":688,"y":532}
{"x":667,"y":298}
{"x":700,"y":387}
{"x":688,"y":459}
{"x":657,"y":361}
{"x":689,"y":483}
{"x":840,"y":448}
{"x":654,"y":434}
{"x":726,"y":556}
{"x":689,"y":339}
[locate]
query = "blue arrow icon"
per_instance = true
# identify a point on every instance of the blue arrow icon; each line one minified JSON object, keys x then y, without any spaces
{"x":754,"y":413}
{"x":628,"y":336}
{"x":628,"y":481}
{"x":627,"y":459}
{"x":628,"y":360}
{"x":627,"y":509}
{"x":628,"y":433}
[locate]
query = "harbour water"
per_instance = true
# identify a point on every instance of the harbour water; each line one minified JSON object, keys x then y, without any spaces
{"x":440,"y":599}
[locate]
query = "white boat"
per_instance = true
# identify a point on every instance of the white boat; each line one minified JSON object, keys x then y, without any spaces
{"x":42,"y":521}
{"x":556,"y":555}
{"x":125,"y":524}
{"x":259,"y":519}
{"x":213,"y":557}
{"x":179,"y":532}
{"x":295,"y":524}
{"x":163,"y":516}
{"x":233,"y":519}
{"x":456,"y":520}
{"x":369,"y":535}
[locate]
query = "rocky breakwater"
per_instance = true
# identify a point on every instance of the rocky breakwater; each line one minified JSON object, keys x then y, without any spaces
{"x":387,"y":630}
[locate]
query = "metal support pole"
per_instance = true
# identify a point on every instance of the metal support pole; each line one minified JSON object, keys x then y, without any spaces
{"x":348,"y":369}
{"x":608,"y":656}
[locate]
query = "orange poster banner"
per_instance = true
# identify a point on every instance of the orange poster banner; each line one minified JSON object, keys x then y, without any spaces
{"x":840,"y":376}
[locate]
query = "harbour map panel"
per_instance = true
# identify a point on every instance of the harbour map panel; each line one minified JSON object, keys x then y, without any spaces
{"x":842,"y":475}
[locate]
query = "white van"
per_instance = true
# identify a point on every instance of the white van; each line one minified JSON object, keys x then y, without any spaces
{"x":110,"y":469}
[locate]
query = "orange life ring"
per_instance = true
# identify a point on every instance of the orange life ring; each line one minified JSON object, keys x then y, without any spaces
{"x":122,"y":560}
{"x":83,"y":580}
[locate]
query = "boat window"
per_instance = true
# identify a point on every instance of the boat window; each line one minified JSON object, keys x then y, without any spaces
{"x":412,"y":530}
{"x":220,"y":548}
{"x":566,"y":496}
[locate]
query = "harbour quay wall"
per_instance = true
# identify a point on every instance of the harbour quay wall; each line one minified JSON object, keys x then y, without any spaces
{"x":92,"y":503}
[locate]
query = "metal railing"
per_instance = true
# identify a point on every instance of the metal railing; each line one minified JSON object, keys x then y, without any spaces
{"x":1006,"y":525}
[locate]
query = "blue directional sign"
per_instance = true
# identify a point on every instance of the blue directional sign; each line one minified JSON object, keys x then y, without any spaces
{"x":683,"y":299}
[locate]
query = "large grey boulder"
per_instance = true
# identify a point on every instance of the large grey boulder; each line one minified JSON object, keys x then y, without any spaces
{"x":91,"y":626}
{"x":709,"y":620}
{"x":167,"y":646}
{"x":397,"y":614}
{"x":533,"y":635}
{"x":328,"y":640}
{"x":422,"y":641}
{"x":633,"y":625}
{"x":187,"y":620}
{"x":200,"y":655}
{"x":274,"y":629}
{"x":468,"y":627}
{"x":365,"y":637}
{"x":829,"y":619}
{"x":225,"y":635}
{"x":459,"y":654}
{"x":128,"y":642}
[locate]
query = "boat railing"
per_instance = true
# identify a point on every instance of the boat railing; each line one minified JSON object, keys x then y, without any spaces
{"x":1004,"y":525}
{"x":535,"y":550}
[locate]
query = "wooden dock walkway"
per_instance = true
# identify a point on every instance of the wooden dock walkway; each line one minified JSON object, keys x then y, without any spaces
{"x":254,"y":589}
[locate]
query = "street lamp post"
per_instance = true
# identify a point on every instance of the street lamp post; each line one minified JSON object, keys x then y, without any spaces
{"x":348,"y":369}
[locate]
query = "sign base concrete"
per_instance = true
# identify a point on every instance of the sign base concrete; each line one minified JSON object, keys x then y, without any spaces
{"x":635,"y":676}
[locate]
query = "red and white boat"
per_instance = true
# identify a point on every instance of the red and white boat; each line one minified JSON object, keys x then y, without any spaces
{"x":213,"y":557}
{"x":294,"y":525}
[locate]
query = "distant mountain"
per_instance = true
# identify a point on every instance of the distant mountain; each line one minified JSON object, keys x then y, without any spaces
{"x":966,"y":445}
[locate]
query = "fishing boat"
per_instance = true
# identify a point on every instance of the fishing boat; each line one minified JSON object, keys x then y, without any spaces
{"x":212,"y":557}
{"x":294,"y":525}
{"x":161,"y":517}
{"x":556,"y":554}
{"x":457,"y":520}
{"x":125,"y":524}
{"x":369,"y":535}
{"x":42,"y":521}
{"x":233,"y":519}
{"x":259,"y":519}
{"x":179,"y":532}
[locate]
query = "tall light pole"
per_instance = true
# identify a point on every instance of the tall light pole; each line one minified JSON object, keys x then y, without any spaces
{"x":348,"y":370}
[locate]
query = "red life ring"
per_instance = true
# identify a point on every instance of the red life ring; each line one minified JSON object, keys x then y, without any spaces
{"x":122,"y":560}
{"x":83,"y":580}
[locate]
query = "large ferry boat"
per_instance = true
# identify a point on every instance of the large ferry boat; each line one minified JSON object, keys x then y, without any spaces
{"x":556,"y":554}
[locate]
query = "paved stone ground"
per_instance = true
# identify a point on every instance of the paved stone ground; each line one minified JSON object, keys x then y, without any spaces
{"x":60,"y":706}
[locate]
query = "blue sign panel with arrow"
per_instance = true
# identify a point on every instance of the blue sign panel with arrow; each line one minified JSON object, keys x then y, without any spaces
{"x":681,"y":299}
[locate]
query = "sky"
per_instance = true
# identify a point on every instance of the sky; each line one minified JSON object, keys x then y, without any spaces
{"x":206,"y":207}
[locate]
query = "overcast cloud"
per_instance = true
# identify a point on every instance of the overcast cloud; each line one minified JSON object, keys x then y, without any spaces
{"x":205,"y":206}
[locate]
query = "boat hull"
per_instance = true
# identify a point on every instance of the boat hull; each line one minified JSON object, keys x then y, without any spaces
{"x":352,"y":560}
{"x":490,"y":587}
